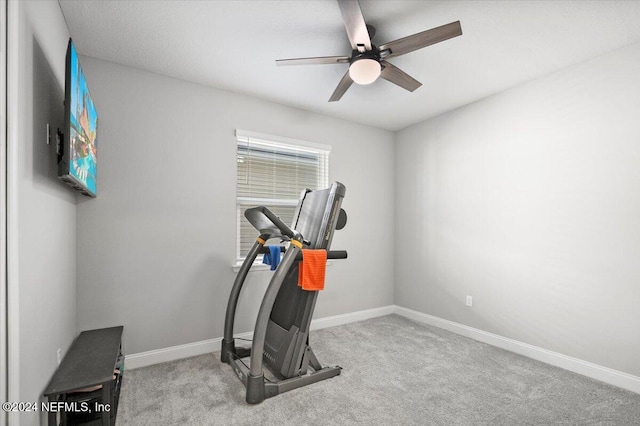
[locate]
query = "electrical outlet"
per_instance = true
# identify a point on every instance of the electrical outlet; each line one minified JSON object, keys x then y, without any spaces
{"x":59,"y":355}
{"x":469,"y":300}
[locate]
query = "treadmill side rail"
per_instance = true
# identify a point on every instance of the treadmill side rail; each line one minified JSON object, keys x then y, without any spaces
{"x":228,"y":343}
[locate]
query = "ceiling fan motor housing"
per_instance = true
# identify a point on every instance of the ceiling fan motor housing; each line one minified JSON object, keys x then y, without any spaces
{"x":374,"y":54}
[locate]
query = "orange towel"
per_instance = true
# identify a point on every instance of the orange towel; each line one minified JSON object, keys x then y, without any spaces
{"x":312,"y":270}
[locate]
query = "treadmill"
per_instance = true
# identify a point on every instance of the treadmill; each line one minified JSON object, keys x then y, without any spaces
{"x":281,"y":335}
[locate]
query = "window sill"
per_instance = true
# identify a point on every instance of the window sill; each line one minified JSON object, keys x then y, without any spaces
{"x":259,"y":266}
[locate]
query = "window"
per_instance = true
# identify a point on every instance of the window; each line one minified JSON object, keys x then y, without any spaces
{"x":272,"y":172}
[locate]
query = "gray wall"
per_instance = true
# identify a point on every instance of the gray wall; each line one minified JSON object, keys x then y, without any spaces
{"x":156,"y":247}
{"x":529,"y":201}
{"x":46,"y":207}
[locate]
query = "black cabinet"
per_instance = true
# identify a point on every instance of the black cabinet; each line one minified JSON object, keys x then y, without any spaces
{"x":86,"y":387}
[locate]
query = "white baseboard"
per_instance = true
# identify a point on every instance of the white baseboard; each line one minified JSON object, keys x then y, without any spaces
{"x":594,"y":371}
{"x":342,"y":319}
{"x":172,"y":353}
{"x":157,"y":356}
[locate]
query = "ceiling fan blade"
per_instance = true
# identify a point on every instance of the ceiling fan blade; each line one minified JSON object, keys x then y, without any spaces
{"x":395,"y":75}
{"x":344,"y":84}
{"x":420,"y":40}
{"x":355,"y":25}
{"x":314,"y":61}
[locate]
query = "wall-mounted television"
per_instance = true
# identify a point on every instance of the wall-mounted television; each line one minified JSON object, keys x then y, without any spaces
{"x":78,"y":148}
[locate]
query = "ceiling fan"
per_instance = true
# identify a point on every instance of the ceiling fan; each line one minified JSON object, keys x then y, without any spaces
{"x":368,"y":61}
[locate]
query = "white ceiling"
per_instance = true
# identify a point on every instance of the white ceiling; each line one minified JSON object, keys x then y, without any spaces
{"x":233,"y":45}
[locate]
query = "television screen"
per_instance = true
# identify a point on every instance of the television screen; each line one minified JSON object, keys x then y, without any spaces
{"x":77,"y":164}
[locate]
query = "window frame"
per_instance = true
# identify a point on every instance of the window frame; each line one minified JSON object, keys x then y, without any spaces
{"x":285,"y":144}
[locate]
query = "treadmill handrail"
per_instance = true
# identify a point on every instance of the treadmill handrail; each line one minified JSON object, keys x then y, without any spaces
{"x":331,"y":254}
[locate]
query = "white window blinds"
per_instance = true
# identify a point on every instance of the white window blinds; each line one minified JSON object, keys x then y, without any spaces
{"x":272,"y":172}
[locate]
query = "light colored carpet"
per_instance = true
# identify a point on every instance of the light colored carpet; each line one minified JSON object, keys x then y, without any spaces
{"x":395,"y":372}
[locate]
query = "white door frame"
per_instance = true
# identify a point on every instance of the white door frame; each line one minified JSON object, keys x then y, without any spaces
{"x":9,"y":350}
{"x":4,"y":383}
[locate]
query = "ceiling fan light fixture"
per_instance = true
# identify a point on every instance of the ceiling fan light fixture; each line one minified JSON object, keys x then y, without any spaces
{"x":365,"y":71}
